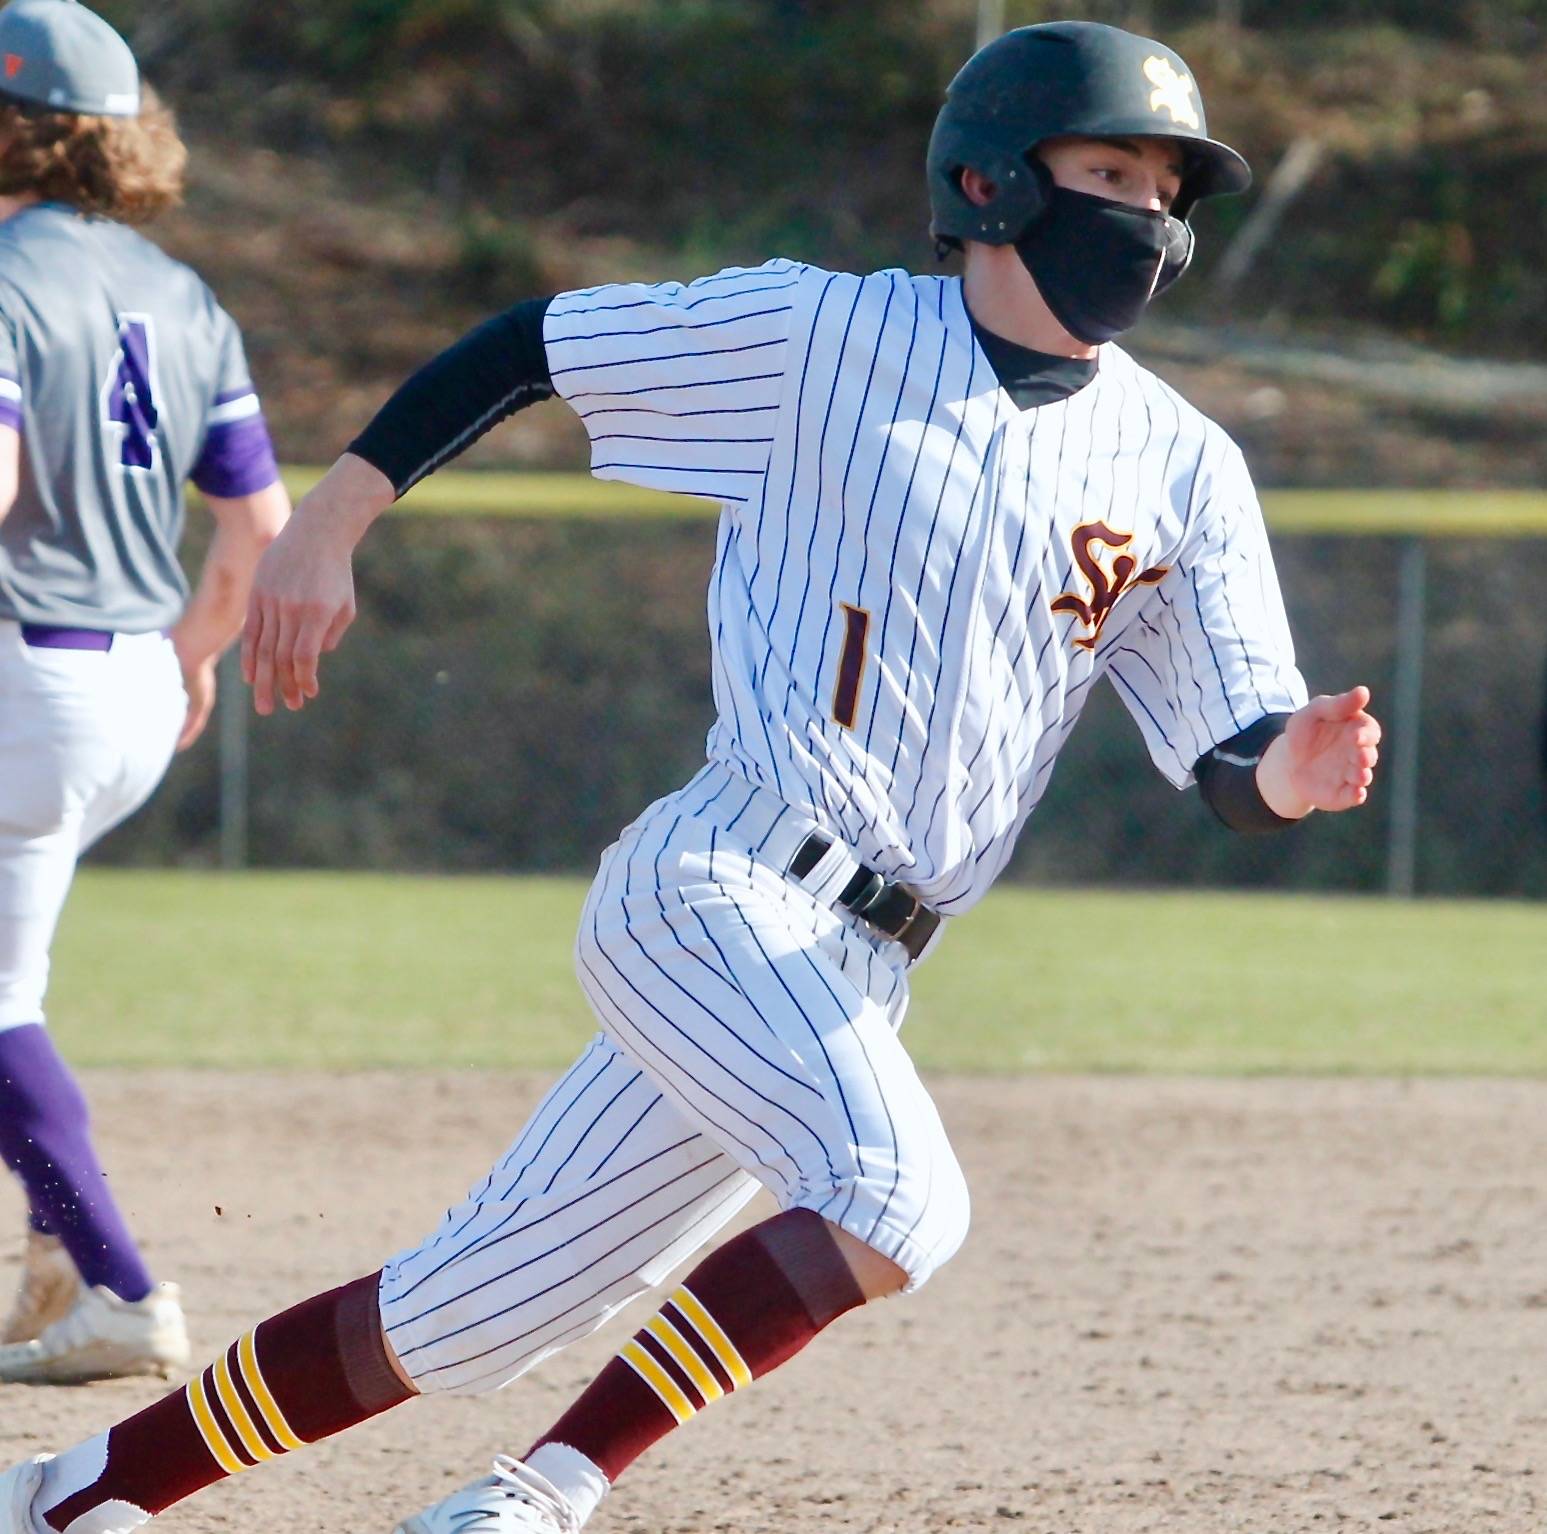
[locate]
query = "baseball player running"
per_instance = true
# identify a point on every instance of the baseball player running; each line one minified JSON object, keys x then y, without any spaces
{"x":949,"y":507}
{"x":120,"y":377}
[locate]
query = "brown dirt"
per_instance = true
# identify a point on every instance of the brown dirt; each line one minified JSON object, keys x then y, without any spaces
{"x":1190,"y":1305}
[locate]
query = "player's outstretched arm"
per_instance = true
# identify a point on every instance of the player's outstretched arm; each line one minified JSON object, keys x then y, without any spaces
{"x":1325,"y":758}
{"x":303,"y":596}
{"x":303,"y":599}
{"x":245,"y":525}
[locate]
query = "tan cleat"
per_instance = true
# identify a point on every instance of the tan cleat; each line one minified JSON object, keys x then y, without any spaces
{"x":103,"y":1337}
{"x":18,"y":1488}
{"x":49,"y":1289}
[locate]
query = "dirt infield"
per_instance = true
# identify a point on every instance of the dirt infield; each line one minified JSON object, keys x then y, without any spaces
{"x":1185,"y":1305}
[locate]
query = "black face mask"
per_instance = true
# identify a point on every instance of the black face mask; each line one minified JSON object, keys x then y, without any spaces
{"x":1098,"y":262}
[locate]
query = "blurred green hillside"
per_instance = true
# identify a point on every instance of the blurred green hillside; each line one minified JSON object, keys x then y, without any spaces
{"x":371,"y":176}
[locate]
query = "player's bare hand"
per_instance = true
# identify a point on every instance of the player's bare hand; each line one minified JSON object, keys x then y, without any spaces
{"x":303,"y":596}
{"x":303,"y":599}
{"x":199,"y":684}
{"x":1325,"y":759}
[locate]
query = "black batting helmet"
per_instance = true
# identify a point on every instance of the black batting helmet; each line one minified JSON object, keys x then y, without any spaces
{"x":1049,"y":81}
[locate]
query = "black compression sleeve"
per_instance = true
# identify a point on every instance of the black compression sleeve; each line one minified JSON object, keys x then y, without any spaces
{"x":1227,"y":777}
{"x":453,"y":400}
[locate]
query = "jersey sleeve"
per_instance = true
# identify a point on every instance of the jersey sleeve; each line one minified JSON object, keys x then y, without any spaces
{"x":678,"y":386}
{"x":1211,"y":651}
{"x":237,"y":457}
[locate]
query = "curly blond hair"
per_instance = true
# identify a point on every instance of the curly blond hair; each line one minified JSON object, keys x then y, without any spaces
{"x":125,"y":168}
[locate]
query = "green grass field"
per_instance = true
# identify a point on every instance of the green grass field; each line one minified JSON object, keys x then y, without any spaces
{"x":1354,"y":513}
{"x":320,"y":971}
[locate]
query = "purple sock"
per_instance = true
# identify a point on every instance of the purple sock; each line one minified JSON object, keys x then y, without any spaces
{"x":45,"y":1139}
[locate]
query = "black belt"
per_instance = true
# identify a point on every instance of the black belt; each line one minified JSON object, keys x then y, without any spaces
{"x":49,"y":636}
{"x":892,"y":910}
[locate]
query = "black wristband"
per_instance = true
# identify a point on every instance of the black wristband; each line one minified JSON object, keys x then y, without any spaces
{"x":1227,"y":777}
{"x":454,"y":399}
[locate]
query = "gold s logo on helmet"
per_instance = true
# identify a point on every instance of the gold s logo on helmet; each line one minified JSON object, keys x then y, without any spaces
{"x":1172,"y":93}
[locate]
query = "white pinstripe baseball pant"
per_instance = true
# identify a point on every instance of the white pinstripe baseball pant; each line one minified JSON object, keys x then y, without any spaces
{"x":749,"y":1037}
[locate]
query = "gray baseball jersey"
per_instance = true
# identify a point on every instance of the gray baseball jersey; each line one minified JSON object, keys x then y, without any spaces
{"x":125,"y":378}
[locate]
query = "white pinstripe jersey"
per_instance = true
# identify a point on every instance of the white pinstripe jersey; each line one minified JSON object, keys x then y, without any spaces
{"x":916,"y":582}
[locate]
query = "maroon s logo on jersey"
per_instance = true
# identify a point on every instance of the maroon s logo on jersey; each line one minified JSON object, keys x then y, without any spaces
{"x":1105,"y":588}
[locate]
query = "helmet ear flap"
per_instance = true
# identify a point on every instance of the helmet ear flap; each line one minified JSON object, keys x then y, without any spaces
{"x":1021,"y":188}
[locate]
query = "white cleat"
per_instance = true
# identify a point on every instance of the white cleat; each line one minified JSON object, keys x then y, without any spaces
{"x":103,"y":1337}
{"x":18,"y":1488}
{"x":49,"y":1288}
{"x":514,"y":1500}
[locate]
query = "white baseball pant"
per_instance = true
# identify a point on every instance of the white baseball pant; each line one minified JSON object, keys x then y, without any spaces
{"x":749,"y":1037}
{"x":85,"y":737}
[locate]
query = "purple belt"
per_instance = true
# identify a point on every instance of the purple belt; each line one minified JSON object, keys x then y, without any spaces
{"x":46,"y":636}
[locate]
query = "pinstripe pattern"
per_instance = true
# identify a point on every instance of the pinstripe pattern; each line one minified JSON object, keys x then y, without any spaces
{"x":751,"y":1038}
{"x":606,"y":1189}
{"x":867,"y":460}
{"x":706,"y":963}
{"x":888,"y":472}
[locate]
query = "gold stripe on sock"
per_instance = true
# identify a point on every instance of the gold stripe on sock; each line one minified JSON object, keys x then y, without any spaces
{"x":247,"y":1360}
{"x":209,"y":1429}
{"x":683,"y":1351}
{"x":635,"y":1356}
{"x":252,"y":1439}
{"x":709,"y":1329}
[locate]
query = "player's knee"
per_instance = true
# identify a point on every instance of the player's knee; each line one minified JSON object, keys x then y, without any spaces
{"x":953,"y":1217}
{"x":943,"y":1222}
{"x":585,"y":959}
{"x":43,"y":1102}
{"x":23,"y":984}
{"x":918,"y":1221}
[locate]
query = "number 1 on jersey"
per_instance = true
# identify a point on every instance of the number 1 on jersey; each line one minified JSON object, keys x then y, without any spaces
{"x":851,"y":665}
{"x":128,"y":394}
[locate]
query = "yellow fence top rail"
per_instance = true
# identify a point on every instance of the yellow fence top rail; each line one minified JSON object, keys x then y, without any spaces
{"x":1421,"y":513}
{"x":1346,"y":513}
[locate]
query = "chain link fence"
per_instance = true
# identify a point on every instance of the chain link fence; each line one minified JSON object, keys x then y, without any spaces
{"x":515,"y":691}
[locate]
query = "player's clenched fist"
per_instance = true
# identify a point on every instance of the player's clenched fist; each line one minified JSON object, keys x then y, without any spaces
{"x":303,"y":597}
{"x":1325,"y":759}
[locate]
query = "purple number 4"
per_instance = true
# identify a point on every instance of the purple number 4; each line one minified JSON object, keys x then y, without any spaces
{"x":128,"y":400}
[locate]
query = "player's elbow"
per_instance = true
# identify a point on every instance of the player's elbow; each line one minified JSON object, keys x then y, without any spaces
{"x":268,"y":513}
{"x":256,"y":519}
